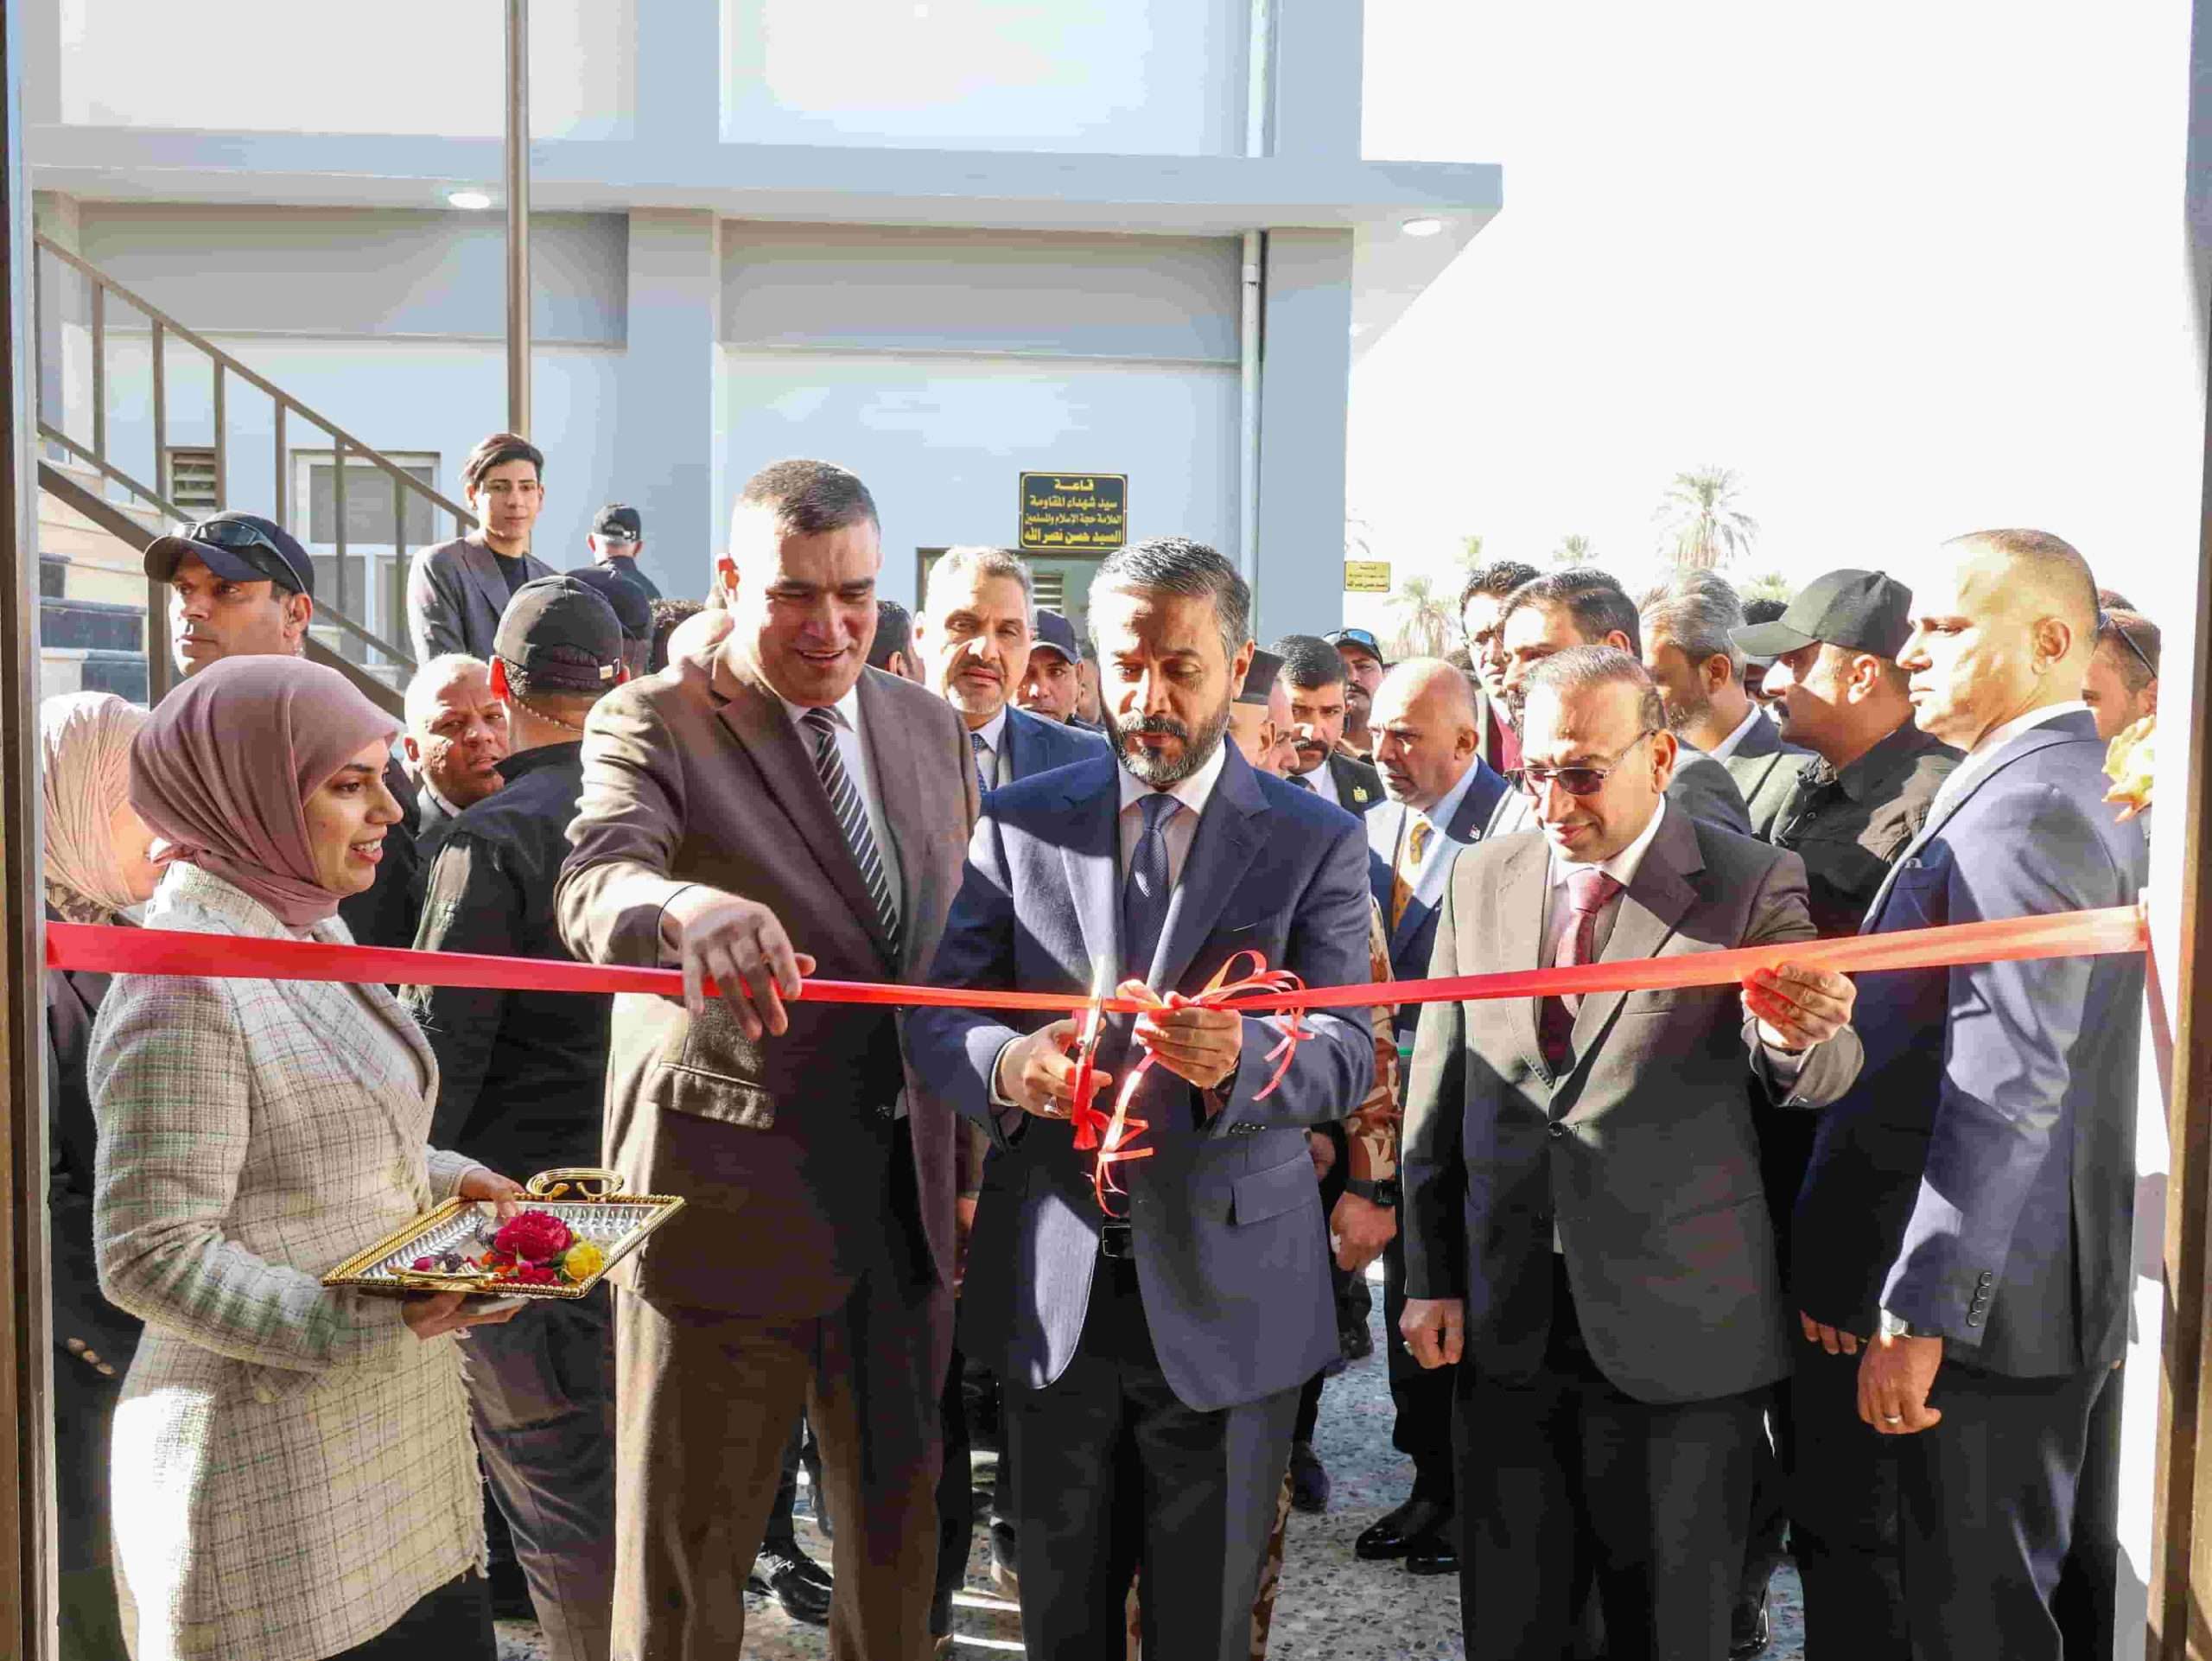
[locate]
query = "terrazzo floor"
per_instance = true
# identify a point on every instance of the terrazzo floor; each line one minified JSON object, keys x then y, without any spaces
{"x":1331,"y":1608}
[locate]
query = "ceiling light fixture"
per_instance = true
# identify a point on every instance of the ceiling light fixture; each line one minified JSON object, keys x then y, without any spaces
{"x":1422,"y":227}
{"x":472,"y":199}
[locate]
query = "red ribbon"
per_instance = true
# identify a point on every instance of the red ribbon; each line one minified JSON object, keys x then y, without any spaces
{"x":102,"y":949}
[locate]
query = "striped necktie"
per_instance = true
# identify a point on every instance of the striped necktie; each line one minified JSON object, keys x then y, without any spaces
{"x":852,"y":818}
{"x":1402,"y":879}
{"x":975,"y":743}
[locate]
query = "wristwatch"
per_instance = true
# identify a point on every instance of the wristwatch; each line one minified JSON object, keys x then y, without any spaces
{"x":1891,"y":1325}
{"x":1380,"y":1192}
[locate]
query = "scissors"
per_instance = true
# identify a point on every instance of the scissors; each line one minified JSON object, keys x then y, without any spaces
{"x":1089,"y":1121}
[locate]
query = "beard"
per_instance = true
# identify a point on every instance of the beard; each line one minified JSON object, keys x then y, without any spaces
{"x":1682,"y":716}
{"x":1156,"y":769}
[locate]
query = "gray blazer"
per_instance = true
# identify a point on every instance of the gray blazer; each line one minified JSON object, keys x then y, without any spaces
{"x":1641,"y":1151}
{"x":1231,"y":1249}
{"x":1765,"y":771}
{"x":1701,"y":787}
{"x":454,"y":596}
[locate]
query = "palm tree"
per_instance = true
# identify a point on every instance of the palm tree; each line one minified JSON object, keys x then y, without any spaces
{"x":1700,"y":525}
{"x":1427,"y":619}
{"x":1470,"y":556}
{"x":1769,"y":585}
{"x":1573,"y":551}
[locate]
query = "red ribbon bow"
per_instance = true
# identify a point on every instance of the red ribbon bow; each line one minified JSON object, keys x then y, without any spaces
{"x":1112,"y":1136}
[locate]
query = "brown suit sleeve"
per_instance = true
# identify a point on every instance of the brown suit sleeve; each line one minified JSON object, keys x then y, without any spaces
{"x":1780,"y":914}
{"x":623,"y":840}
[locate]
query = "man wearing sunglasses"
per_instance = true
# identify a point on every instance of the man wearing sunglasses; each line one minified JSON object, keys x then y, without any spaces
{"x":239,"y":587}
{"x":2120,"y":685}
{"x":1583,"y":1212}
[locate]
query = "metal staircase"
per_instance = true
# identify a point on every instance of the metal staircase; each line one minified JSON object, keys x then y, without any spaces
{"x":103,"y":625}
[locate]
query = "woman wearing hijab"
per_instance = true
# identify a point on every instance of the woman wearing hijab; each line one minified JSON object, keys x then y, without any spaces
{"x":96,"y":864}
{"x":293,"y":1473}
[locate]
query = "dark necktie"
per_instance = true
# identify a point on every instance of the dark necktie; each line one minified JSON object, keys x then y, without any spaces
{"x":1300,"y":779}
{"x":852,"y":818}
{"x":1144,"y":892}
{"x":1588,"y":889}
{"x":975,"y":743}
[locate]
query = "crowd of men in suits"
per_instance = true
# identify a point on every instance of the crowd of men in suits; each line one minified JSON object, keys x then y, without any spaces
{"x":1673,"y":1281}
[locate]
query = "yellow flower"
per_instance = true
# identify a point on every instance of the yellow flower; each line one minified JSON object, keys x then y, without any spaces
{"x":2130,"y":763}
{"x":582,"y":1261}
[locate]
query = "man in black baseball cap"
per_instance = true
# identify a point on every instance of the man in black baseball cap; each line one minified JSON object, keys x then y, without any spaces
{"x":618,"y":537}
{"x":631,"y":607}
{"x":520,"y":1078}
{"x":1052,"y":684}
{"x":240,"y":586}
{"x":1857,"y":803}
{"x":1364,"y":667}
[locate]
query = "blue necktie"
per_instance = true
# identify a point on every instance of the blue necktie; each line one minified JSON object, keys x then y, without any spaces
{"x":1144,"y":893}
{"x":975,"y":743}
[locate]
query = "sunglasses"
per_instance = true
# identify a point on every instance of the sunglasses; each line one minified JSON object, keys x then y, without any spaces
{"x":2106,"y":620}
{"x":234,"y":536}
{"x":1576,"y":780}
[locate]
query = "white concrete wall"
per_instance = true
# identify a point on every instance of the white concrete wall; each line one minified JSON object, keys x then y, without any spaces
{"x":420,"y":67}
{"x":1091,"y":77}
{"x":942,"y":442}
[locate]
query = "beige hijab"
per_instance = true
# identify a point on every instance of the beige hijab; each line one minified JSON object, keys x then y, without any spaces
{"x":85,"y":744}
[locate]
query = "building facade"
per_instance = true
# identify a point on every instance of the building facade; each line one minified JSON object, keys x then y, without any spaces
{"x":946,"y":243}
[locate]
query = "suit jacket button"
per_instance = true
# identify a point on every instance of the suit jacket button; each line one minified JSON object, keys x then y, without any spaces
{"x":1556,"y":1130}
{"x":1984,"y":1278}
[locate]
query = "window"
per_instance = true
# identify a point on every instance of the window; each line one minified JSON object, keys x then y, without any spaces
{"x":191,"y":481}
{"x":369,"y":491}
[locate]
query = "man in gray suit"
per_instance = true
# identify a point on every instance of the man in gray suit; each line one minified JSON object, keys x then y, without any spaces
{"x":1588,"y":607}
{"x":457,"y":590}
{"x":1583,"y":1209}
{"x":1152,"y":1343}
{"x":1688,"y":649}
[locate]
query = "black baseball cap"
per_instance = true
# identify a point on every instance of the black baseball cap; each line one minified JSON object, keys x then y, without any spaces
{"x":618,"y":522}
{"x":560,"y":633}
{"x":1863,"y":611}
{"x":1360,"y":638}
{"x":632,"y":609}
{"x":1055,"y":633}
{"x":1260,"y":678}
{"x":238,"y":548}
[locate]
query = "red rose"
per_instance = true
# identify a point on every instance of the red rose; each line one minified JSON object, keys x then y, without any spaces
{"x":422,"y":1263}
{"x":533,"y":1237}
{"x":537,"y":1275}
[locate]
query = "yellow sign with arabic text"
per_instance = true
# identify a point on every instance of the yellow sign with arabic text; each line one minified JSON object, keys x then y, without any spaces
{"x":1072,"y":512}
{"x":1367,"y":576}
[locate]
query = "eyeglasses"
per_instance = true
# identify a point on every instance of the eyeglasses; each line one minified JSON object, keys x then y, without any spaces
{"x":1576,"y":780}
{"x":2107,"y":623}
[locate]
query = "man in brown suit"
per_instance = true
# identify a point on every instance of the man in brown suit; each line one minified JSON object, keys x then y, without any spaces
{"x":770,"y":809}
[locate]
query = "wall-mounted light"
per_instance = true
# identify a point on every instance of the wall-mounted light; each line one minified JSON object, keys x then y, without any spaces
{"x":472,"y":199}
{"x":1424,"y":227}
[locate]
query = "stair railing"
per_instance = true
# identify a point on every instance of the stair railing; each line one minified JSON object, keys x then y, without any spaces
{"x":336,"y":609}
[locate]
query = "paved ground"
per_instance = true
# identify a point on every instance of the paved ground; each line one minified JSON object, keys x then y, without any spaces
{"x":1333,"y":1608}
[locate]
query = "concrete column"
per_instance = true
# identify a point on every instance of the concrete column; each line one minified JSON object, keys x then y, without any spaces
{"x":1304,"y":388}
{"x":1317,"y":51}
{"x":679,"y":73}
{"x":666,"y":459}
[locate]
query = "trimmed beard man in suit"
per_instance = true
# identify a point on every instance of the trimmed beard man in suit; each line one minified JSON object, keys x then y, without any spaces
{"x":1583,"y":1212}
{"x":1313,"y":674}
{"x":1965,"y":1227}
{"x":1687,"y":625}
{"x":1571,"y":608}
{"x":972,"y":637}
{"x":1441,"y":795}
{"x":1153,"y":1360}
{"x":768,"y":794}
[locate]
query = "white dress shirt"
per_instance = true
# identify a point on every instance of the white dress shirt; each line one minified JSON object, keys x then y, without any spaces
{"x":1622,"y":868}
{"x":1182,"y":825}
{"x":1984,"y":753}
{"x":854,"y":754}
{"x":990,"y":761}
{"x":1726,"y":747}
{"x":1324,"y":780}
{"x":1427,"y":880}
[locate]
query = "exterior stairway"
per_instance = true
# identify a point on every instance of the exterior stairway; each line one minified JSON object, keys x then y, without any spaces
{"x":91,"y":597}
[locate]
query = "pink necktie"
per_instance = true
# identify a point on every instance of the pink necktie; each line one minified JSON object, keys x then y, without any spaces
{"x":1588,"y":891}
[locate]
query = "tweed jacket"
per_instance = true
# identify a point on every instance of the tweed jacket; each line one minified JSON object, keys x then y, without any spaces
{"x":292,"y":1468}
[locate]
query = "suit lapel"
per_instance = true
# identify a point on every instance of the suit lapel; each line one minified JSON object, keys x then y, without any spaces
{"x":483,"y":568}
{"x":756,"y":718}
{"x":1520,"y":898}
{"x":1092,"y":857}
{"x":1649,"y":912}
{"x":1228,"y":833}
{"x":892,"y":759}
{"x":1016,"y":742}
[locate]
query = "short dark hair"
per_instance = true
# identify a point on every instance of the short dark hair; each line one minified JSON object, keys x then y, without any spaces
{"x":1594,"y":600}
{"x":2113,"y":600}
{"x":667,"y":613}
{"x":809,"y":498}
{"x":497,"y":451}
{"x":1580,"y":666}
{"x":1498,"y":578}
{"x":1764,"y":611}
{"x":1180,"y":565}
{"x":2134,"y":640}
{"x":894,"y":632}
{"x":1308,"y":662}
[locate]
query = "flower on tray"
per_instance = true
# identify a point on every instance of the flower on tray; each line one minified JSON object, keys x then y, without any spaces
{"x":533,"y":1237}
{"x":582,"y":1261}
